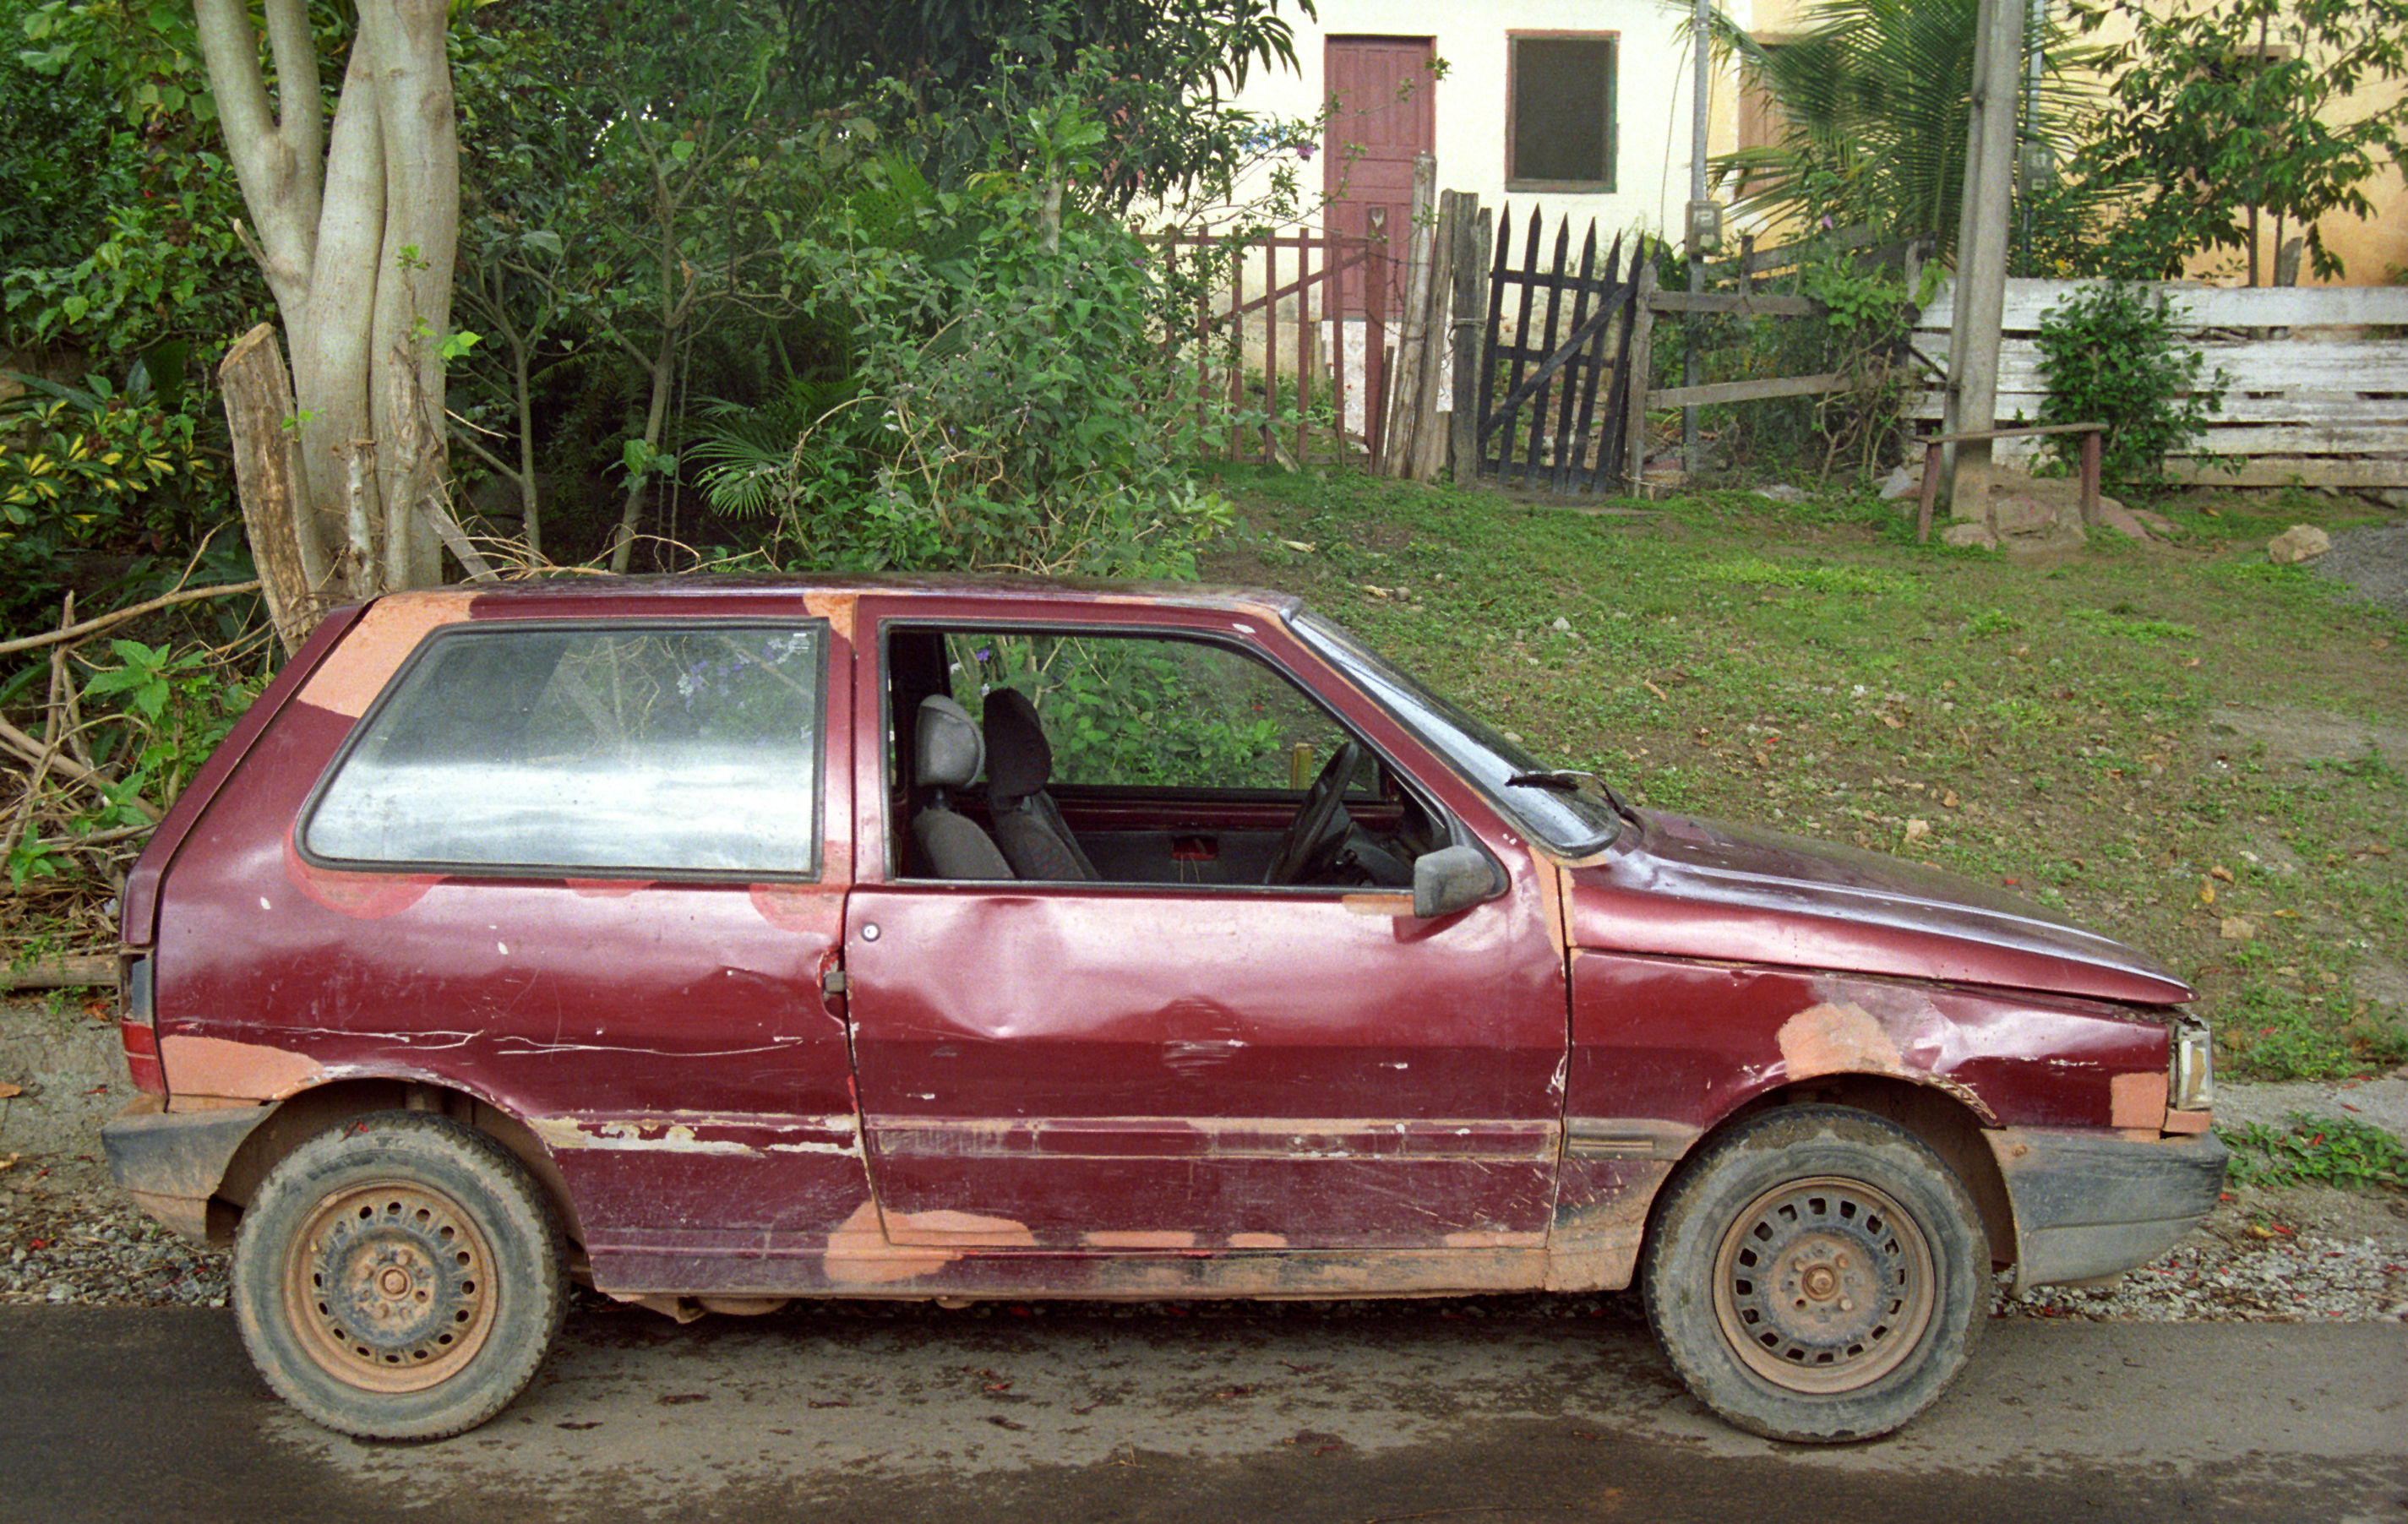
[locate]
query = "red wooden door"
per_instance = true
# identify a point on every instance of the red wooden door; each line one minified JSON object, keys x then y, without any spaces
{"x":1382,"y":92}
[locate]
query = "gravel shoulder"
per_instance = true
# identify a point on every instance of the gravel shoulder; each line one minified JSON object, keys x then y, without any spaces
{"x":2292,"y":1254}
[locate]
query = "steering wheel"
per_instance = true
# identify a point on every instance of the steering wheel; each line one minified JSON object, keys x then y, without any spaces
{"x":1315,"y":826}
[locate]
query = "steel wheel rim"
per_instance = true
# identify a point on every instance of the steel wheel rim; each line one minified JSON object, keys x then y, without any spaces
{"x":389,"y":1286}
{"x":1824,"y":1284}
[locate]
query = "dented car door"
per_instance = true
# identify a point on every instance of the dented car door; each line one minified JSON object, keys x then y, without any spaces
{"x":1210,"y":1069}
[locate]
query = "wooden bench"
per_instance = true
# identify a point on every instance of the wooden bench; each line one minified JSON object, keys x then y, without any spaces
{"x":2093,"y":436}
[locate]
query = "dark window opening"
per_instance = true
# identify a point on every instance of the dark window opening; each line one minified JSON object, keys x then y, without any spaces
{"x":1562,"y":125}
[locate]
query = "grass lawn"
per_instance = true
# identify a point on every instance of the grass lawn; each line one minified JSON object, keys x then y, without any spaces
{"x":2178,"y":743}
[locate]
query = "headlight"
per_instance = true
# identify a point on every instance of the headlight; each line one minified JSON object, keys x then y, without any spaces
{"x":2193,"y":1080}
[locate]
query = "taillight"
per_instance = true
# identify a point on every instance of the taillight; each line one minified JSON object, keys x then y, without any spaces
{"x":138,"y":1028}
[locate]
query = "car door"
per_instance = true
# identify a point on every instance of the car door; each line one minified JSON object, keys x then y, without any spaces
{"x":1199,"y":1067}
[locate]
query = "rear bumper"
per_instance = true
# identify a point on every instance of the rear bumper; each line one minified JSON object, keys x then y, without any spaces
{"x":2090,"y":1204}
{"x":172,"y":1163}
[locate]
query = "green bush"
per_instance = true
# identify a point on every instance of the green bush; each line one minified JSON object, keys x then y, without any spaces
{"x":95,"y":466}
{"x":1014,"y":398}
{"x":2110,"y":354}
{"x":1861,"y":335}
{"x":2335,"y":1150}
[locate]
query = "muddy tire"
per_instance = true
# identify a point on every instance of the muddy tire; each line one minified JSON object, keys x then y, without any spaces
{"x":399,"y":1277}
{"x":1818,"y":1275}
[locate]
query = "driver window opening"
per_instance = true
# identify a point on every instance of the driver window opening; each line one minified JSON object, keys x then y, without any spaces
{"x":1133,"y":759}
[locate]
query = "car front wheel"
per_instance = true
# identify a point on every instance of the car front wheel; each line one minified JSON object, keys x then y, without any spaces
{"x":1818,"y":1274}
{"x":398,"y":1278}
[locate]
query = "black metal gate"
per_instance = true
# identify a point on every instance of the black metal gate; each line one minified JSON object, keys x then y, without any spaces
{"x":1540,"y":419}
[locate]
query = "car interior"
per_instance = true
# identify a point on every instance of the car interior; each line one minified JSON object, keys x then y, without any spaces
{"x":1077,"y":756}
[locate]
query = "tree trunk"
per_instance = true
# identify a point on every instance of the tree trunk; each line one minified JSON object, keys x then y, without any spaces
{"x":355,"y":228}
{"x":663,"y":367}
{"x":292,"y":559}
{"x":530,"y":506}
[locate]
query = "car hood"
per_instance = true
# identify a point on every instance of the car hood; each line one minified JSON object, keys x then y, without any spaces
{"x":1690,"y":888}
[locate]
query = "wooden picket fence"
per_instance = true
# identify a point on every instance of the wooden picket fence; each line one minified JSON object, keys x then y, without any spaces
{"x":1295,"y":389}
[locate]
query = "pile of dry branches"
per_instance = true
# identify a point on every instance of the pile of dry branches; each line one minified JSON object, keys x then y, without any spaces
{"x":60,"y":771}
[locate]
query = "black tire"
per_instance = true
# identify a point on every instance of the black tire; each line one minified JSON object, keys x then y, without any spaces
{"x":1817,"y":1275}
{"x":399,"y":1277}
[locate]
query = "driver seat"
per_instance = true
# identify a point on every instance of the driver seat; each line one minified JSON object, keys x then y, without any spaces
{"x":946,"y":756}
{"x":1028,"y":823}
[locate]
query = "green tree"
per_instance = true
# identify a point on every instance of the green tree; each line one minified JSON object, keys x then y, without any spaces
{"x":355,"y":216}
{"x":1874,"y":99}
{"x":946,"y":77}
{"x":121,"y":279}
{"x":116,"y":219}
{"x":627,"y":215}
{"x":2226,"y":129}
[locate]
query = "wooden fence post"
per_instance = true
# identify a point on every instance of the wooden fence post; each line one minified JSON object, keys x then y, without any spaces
{"x":1642,"y":372}
{"x":1470,"y":318}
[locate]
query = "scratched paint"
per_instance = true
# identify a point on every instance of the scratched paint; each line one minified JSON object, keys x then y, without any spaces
{"x":874,"y":1248}
{"x":859,"y":1254}
{"x":349,"y":680}
{"x":215,"y":1066}
{"x":1837,"y":1039}
{"x":2138,"y":1101}
{"x":362,"y":896}
{"x":798,"y":907}
{"x":1502,"y":1141}
{"x":1140,"y":1239}
{"x":686,"y":1135}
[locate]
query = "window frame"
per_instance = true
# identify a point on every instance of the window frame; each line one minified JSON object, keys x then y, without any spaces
{"x":1611,"y":127}
{"x":1226,"y":642}
{"x":429,"y":650}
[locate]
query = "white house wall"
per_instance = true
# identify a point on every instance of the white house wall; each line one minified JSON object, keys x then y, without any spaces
{"x":1652,"y":157}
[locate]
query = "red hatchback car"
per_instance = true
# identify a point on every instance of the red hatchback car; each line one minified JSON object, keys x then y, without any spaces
{"x":718,"y":941}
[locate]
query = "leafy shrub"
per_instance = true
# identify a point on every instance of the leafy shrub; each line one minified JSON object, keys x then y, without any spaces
{"x":1013,"y":400}
{"x":1861,"y":335}
{"x":2110,"y":354}
{"x":2335,"y":1150}
{"x":93,"y":467}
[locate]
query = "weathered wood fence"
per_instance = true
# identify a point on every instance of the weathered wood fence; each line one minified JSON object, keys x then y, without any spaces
{"x":1550,"y":354}
{"x":1275,"y":342}
{"x":2318,"y":392}
{"x":1554,"y":383}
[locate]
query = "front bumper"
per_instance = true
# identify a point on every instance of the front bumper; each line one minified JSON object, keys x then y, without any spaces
{"x":2090,"y":1204}
{"x":172,"y":1162}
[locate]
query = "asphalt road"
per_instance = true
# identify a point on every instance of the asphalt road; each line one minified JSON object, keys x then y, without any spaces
{"x":110,"y":1414}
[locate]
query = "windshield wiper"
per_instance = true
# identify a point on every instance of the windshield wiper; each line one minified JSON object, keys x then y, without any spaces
{"x":1572,"y":780}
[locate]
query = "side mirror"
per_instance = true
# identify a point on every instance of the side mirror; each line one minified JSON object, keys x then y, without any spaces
{"x":1453,"y":878}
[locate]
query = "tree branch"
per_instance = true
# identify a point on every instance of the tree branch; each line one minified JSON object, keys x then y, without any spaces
{"x":35,"y":754}
{"x":105,"y":622}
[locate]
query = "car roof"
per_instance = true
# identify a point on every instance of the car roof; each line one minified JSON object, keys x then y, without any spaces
{"x":698,"y":591}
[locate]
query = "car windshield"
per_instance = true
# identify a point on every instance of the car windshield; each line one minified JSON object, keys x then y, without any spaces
{"x":1569,"y":818}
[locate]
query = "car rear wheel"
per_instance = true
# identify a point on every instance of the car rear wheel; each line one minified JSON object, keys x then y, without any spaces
{"x":399,"y":1277}
{"x":1818,"y":1274}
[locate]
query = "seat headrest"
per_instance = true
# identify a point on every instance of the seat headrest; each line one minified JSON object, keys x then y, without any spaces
{"x":949,"y":749}
{"x":1020,"y":760}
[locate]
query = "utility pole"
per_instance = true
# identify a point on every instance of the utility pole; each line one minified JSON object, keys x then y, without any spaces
{"x":1982,"y":253}
{"x":1704,"y":221}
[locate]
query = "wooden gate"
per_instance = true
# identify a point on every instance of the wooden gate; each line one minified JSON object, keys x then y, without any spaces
{"x":1543,"y":371}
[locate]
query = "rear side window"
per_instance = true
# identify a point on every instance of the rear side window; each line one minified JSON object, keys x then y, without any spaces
{"x":616,"y":751}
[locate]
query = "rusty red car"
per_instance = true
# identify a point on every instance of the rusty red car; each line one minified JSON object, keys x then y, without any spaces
{"x":715,"y":941}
